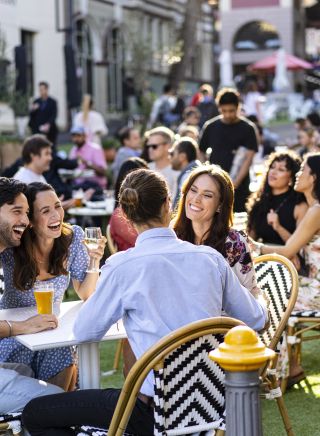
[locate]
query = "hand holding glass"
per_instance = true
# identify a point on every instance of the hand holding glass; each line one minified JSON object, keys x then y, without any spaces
{"x":43,"y":294}
{"x":92,"y":236}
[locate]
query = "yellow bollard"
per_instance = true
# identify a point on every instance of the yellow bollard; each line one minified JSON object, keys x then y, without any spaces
{"x":241,"y":355}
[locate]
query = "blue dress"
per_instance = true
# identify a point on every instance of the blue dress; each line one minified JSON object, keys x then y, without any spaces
{"x":46,"y":363}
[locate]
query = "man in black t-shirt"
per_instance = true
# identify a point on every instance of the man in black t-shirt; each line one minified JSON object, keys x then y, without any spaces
{"x":233,"y":142}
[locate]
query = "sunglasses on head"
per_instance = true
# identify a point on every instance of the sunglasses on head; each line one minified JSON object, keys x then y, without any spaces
{"x":155,"y":146}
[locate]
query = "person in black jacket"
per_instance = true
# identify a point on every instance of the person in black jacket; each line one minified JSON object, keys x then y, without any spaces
{"x":43,"y":114}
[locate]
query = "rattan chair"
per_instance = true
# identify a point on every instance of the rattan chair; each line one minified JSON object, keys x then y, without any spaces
{"x":189,"y":387}
{"x":10,"y":424}
{"x":299,"y":323}
{"x":278,"y":278}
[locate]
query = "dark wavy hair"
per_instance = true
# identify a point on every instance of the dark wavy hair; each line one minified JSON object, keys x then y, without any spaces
{"x":223,"y":220}
{"x":259,"y":203}
{"x":26,"y":269}
{"x":313,"y":161}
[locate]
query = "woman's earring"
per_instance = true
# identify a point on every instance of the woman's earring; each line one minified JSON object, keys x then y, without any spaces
{"x":218,"y":209}
{"x":290,"y":183}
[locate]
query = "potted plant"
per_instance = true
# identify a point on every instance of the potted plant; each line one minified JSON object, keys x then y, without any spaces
{"x":20,"y":105}
{"x":6,"y":113}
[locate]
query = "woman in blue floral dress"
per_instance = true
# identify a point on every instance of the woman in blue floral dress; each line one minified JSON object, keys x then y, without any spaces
{"x":205,"y":216}
{"x":50,"y":251}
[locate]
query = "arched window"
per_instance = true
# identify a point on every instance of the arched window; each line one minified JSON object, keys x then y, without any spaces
{"x":257,"y":35}
{"x":115,"y":58}
{"x":84,"y":57}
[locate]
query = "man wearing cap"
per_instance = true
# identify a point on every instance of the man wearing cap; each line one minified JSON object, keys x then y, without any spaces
{"x":90,"y":156}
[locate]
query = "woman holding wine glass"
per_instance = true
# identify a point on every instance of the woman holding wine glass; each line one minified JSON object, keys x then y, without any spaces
{"x":51,"y":251}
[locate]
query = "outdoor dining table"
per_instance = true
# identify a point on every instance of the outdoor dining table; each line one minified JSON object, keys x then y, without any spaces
{"x":103,"y":209}
{"x":62,"y":336}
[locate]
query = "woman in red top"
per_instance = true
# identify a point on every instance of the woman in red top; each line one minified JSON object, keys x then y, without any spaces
{"x":122,"y":231}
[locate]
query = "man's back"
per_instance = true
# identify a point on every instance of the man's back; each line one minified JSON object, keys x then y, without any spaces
{"x":161,"y":284}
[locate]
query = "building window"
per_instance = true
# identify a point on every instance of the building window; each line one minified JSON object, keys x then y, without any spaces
{"x":27,"y":43}
{"x":257,"y":35}
{"x":115,"y":57}
{"x":84,"y":57}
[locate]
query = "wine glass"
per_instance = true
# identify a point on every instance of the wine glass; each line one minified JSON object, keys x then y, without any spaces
{"x":92,"y":236}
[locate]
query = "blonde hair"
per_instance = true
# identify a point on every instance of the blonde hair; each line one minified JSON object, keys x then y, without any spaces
{"x":86,"y":106}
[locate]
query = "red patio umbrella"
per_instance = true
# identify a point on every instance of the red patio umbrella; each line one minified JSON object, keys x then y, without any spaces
{"x":269,"y":63}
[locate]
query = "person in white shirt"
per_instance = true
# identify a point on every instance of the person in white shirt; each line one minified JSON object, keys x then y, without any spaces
{"x":161,"y":284}
{"x":91,"y":120}
{"x":159,"y":142}
{"x":36,"y":156}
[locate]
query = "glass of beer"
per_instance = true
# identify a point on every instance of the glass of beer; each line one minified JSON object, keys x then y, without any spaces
{"x":43,"y":294}
{"x":78,"y":198}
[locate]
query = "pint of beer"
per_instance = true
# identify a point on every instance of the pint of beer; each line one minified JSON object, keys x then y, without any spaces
{"x":43,"y":294}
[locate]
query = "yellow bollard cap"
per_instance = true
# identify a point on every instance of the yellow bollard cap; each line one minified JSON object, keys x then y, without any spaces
{"x":242,"y":350}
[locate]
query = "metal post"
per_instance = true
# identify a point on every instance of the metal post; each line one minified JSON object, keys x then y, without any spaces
{"x":241,"y":355}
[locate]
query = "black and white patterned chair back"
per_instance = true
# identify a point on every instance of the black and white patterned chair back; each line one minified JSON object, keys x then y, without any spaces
{"x":276,"y":280}
{"x":306,"y":313}
{"x":10,"y":423}
{"x":1,"y":281}
{"x":189,"y":390}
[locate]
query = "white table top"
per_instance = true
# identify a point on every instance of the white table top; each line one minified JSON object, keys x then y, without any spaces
{"x":94,"y":208}
{"x":61,"y":336}
{"x":87,"y":211}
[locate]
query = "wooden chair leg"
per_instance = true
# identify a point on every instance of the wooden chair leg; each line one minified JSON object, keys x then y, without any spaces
{"x":117,"y":355}
{"x":274,"y":384}
{"x":219,"y":432}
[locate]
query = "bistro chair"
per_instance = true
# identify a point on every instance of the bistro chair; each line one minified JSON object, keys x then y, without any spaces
{"x":278,"y":278}
{"x":300,"y":322}
{"x":1,"y":282}
{"x":10,"y":424}
{"x":189,"y":387}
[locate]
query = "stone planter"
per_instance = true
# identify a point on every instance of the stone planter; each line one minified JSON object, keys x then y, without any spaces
{"x":7,"y":123}
{"x":21,"y":125}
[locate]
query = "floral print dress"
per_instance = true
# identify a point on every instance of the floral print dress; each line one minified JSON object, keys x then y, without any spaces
{"x":47,"y":363}
{"x":238,"y":255}
{"x":309,"y":287}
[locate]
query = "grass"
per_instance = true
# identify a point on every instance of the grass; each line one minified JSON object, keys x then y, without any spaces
{"x":302,"y":401}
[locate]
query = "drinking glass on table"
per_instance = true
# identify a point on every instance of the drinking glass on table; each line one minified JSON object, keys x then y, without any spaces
{"x":92,"y":236}
{"x":44,"y":294}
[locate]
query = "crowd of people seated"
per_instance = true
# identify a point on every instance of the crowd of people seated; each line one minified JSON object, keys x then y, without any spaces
{"x":176,"y":189}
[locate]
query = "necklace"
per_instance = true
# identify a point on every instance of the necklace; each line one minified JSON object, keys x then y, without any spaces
{"x":283,"y":202}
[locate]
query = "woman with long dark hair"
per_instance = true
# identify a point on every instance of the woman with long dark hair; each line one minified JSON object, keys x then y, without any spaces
{"x":306,"y":237}
{"x":205,"y":216}
{"x":51,"y":251}
{"x":275,"y":209}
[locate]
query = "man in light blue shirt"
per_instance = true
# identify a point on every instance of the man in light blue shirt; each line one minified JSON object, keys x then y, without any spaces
{"x":156,"y":287}
{"x":160,"y":285}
